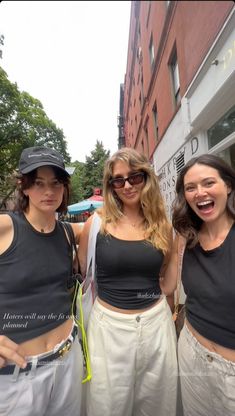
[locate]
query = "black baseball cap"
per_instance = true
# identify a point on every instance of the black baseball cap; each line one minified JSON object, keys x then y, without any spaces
{"x":34,"y":157}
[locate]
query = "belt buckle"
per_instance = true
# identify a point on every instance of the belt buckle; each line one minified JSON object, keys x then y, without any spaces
{"x":65,"y":348}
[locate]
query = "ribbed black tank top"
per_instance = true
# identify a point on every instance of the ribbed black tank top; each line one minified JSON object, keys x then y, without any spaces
{"x":33,"y":277}
{"x":127,"y":272}
{"x":209,"y":283}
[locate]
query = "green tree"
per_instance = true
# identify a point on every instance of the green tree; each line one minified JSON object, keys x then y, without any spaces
{"x":93,"y":169}
{"x":1,"y":44}
{"x":88,"y":175}
{"x":23,"y":123}
{"x":77,"y":182}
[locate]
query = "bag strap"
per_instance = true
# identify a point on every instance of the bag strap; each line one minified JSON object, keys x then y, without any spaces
{"x":180,"y":248}
{"x":73,"y":250}
{"x":90,"y":278}
{"x":77,"y":312}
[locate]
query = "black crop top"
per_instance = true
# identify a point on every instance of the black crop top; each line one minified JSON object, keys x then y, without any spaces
{"x":127,"y":272}
{"x":33,"y":281}
{"x":209,"y":283}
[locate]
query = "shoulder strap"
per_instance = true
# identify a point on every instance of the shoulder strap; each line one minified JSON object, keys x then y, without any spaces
{"x":67,"y":226}
{"x":73,"y":250}
{"x":69,"y":229}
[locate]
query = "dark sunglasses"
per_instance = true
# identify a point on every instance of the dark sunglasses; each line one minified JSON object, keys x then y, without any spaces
{"x":133,"y":179}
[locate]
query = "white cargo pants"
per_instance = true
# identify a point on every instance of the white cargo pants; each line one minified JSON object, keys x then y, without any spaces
{"x":51,"y":390}
{"x":133,"y":362}
{"x":207,"y":379}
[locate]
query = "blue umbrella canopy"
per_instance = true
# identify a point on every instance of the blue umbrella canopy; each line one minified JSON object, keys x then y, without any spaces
{"x":85,"y":205}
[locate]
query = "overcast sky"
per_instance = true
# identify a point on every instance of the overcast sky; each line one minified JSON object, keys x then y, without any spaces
{"x":71,"y":55}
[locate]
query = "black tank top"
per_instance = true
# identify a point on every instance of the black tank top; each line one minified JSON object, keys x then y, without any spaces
{"x":127,"y":272}
{"x":33,"y":281}
{"x":209,"y":283}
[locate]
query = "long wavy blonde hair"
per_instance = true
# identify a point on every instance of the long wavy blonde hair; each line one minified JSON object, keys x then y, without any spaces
{"x":158,"y":230}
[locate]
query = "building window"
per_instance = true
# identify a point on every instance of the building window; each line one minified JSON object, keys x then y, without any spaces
{"x":149,"y":9}
{"x":139,"y":50}
{"x":151,"y":52}
{"x":175,"y":77}
{"x":142,"y":91}
{"x":142,"y":145}
{"x":139,"y":55}
{"x":155,"y":121}
{"x":222,"y":128}
{"x":141,"y":95}
{"x":146,"y":132}
{"x":228,"y":155}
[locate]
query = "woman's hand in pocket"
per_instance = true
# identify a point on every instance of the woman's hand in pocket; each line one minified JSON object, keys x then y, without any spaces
{"x":9,"y":351}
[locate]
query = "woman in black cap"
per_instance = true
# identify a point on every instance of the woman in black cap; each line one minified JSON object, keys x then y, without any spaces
{"x":41,"y":362}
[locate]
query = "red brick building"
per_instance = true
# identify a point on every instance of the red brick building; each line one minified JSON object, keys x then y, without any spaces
{"x":179,"y":90}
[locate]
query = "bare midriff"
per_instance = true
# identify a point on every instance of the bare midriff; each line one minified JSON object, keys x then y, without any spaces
{"x":126,"y":311}
{"x":47,"y":341}
{"x":227,"y":353}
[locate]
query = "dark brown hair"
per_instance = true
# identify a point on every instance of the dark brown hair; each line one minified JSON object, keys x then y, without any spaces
{"x":27,"y":180}
{"x":184,"y":219}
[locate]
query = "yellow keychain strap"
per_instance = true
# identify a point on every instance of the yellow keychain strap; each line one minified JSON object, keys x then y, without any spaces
{"x":80,"y":322}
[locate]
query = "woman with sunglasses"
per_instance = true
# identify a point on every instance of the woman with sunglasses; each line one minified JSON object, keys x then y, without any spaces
{"x":131,"y":335}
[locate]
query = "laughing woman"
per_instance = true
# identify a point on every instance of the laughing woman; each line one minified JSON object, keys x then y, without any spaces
{"x":131,"y":335}
{"x":204,"y":213}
